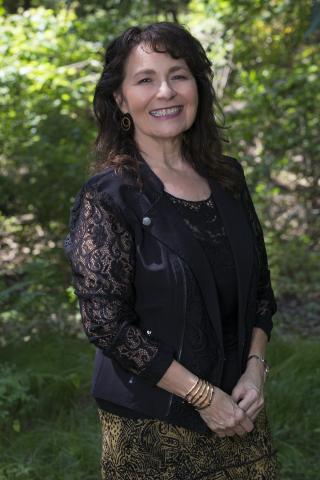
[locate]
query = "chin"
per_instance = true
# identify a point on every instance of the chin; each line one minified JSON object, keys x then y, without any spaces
{"x":170,"y":132}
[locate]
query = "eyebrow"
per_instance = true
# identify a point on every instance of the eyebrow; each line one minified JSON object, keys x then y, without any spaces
{"x":149,"y":71}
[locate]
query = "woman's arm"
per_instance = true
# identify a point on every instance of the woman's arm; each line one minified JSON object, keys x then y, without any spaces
{"x":101,"y":252}
{"x":248,"y":392}
{"x":266,"y":305}
{"x":259,"y":342}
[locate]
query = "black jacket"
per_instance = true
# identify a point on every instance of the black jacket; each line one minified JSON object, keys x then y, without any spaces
{"x":135,"y":313}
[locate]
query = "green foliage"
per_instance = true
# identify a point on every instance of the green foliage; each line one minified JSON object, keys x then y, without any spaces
{"x":40,"y":389}
{"x":293,"y":391}
{"x":52,"y":431}
{"x":295,"y":268}
{"x":14,"y":396}
{"x":50,"y":62}
{"x":47,"y":78}
{"x":45,"y":97}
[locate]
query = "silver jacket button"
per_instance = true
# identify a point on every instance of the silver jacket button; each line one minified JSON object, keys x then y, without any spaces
{"x":149,"y":332}
{"x":146,"y":221}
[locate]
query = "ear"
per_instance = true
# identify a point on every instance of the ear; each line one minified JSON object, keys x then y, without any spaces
{"x":120,"y":101}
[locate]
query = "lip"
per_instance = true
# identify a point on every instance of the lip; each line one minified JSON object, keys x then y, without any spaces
{"x":168,"y":116}
{"x":165,"y":108}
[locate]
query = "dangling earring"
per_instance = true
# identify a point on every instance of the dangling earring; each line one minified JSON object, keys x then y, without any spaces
{"x":125,"y":122}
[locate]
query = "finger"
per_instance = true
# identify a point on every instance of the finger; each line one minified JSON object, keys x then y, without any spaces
{"x":248,"y":400}
{"x":240,"y":416}
{"x":239,"y":430}
{"x":254,"y":411}
{"x":256,"y":407}
{"x":247,"y":424}
{"x":245,"y":404}
{"x":226,"y":432}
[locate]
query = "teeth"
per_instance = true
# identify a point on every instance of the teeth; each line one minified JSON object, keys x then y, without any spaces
{"x":165,"y":111}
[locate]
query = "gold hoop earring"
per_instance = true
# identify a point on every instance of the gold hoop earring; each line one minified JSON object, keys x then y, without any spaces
{"x":125,"y":122}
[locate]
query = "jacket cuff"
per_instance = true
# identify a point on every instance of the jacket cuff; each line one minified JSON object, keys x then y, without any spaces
{"x":266,"y":324}
{"x":158,"y":366}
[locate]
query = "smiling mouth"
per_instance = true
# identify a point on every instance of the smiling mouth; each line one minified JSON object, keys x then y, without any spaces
{"x":165,"y":112}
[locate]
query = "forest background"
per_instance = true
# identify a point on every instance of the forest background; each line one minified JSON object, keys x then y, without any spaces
{"x":266,"y":61}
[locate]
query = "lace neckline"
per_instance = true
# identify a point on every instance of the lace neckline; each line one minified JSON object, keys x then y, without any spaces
{"x":184,"y":200}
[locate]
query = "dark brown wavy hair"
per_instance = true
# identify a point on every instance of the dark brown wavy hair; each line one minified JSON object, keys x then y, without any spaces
{"x":201,"y":143}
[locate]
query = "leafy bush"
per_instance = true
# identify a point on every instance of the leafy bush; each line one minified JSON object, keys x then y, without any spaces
{"x":295,"y":268}
{"x":27,"y":392}
{"x":16,"y":398}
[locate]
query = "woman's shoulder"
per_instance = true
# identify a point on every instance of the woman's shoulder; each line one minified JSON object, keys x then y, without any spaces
{"x":103,"y":187}
{"x":108,"y":178}
{"x":105,"y":192}
{"x":235,"y":162}
{"x":98,"y":199}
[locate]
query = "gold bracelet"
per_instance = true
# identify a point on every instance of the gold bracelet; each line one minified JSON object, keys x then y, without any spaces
{"x":210,"y":399}
{"x":194,"y":386}
{"x":195,"y":394}
{"x":204,"y":398}
{"x":203,"y":406}
{"x":194,"y":391}
{"x":199,"y":394}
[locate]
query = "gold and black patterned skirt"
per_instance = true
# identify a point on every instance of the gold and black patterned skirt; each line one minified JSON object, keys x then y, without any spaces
{"x":146,"y":449}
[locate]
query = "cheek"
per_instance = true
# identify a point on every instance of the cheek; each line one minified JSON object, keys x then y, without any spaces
{"x":139,"y":102}
{"x":192,"y":95}
{"x":136,"y":100}
{"x":193,"y":104}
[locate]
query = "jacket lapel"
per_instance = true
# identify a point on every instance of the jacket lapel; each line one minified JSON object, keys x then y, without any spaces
{"x":168,"y":226}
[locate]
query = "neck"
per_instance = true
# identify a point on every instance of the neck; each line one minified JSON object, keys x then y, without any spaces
{"x":164,"y":154}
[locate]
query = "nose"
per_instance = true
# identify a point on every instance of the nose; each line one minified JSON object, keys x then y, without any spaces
{"x":165,"y":90}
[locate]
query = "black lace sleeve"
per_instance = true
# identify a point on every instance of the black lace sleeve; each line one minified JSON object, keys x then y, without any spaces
{"x":266,"y":305}
{"x":100,"y":248}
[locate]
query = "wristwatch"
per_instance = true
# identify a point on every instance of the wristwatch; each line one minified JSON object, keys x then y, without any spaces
{"x":263,"y":360}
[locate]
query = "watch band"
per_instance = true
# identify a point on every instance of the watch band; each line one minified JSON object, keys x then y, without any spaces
{"x":263,"y":360}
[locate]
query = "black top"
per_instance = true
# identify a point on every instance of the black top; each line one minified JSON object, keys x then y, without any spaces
{"x":204,"y":220}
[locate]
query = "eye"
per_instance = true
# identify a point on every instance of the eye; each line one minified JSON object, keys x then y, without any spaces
{"x":180,"y":76}
{"x":144,"y":80}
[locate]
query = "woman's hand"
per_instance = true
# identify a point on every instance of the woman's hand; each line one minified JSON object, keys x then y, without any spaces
{"x":248,"y":392}
{"x":225,"y":417}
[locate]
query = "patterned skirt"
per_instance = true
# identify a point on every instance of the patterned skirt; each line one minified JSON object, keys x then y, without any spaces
{"x":146,"y":449}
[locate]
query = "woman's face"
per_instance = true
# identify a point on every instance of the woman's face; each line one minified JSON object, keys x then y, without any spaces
{"x":159,"y":92}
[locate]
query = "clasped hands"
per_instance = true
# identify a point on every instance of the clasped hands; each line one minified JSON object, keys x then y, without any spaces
{"x":234,"y":414}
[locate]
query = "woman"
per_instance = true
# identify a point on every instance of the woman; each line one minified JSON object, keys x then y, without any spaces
{"x":170,"y":268}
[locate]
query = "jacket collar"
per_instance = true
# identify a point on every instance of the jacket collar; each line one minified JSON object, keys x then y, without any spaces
{"x":169,"y":227}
